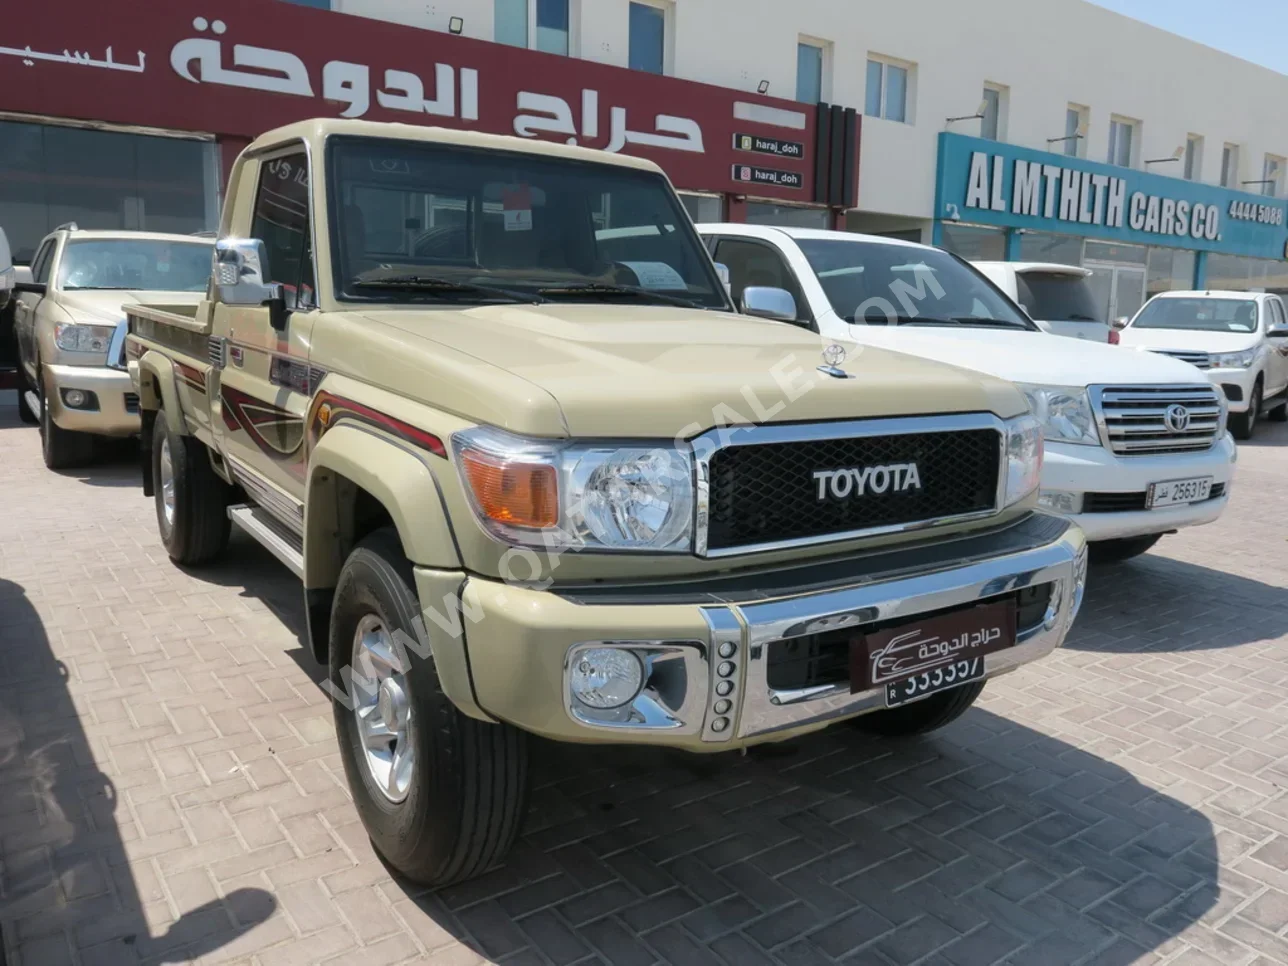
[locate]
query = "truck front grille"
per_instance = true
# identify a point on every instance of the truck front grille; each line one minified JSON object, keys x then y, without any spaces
{"x":1137,"y":421}
{"x":824,"y":659}
{"x":1199,"y":359}
{"x":766,"y":494}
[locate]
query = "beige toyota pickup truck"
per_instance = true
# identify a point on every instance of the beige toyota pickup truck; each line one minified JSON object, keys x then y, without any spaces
{"x":489,"y":399}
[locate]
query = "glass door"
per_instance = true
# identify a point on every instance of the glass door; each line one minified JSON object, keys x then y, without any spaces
{"x":1119,"y":289}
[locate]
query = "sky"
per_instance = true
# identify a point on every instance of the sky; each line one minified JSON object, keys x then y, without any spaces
{"x":1256,"y":30}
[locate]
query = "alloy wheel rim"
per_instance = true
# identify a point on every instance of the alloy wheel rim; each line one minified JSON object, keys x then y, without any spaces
{"x":383,"y":711}
{"x":167,"y":483}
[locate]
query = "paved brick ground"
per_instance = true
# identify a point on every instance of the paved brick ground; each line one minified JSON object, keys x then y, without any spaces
{"x":170,"y":789}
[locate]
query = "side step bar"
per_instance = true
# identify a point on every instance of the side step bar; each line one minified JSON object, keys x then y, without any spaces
{"x":280,"y":542}
{"x":32,"y":401}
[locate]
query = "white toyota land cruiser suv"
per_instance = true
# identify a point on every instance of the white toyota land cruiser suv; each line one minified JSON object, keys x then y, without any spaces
{"x":1136,"y":443}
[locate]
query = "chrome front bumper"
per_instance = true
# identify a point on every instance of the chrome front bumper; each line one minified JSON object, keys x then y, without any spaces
{"x":764,"y":710}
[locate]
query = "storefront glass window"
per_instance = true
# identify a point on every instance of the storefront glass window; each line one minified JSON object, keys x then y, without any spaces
{"x":703,"y":208}
{"x":101,"y":179}
{"x":1119,"y":254}
{"x":764,"y":213}
{"x":1235,"y":274}
{"x":975,"y":244}
{"x":1041,"y":246}
{"x":1170,"y":270}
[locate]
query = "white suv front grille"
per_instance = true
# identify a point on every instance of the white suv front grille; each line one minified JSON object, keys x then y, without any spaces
{"x":1134,"y":420}
{"x":1199,"y":359}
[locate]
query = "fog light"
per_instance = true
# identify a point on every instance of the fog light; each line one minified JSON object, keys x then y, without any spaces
{"x":1060,"y":501}
{"x":74,"y":398}
{"x":606,"y":677}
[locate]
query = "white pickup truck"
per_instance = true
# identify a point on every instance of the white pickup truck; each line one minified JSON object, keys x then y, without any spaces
{"x":1136,"y":443}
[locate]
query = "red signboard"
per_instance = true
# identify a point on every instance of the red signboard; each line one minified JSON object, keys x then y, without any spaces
{"x":240,"y":67}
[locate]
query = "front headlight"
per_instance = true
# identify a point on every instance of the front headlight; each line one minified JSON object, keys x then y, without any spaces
{"x":1234,"y":360}
{"x":1023,"y":457}
{"x":74,"y":337}
{"x":594,"y":496}
{"x":1064,"y":412}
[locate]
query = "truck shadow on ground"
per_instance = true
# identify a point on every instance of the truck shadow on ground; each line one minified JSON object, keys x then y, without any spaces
{"x":1157,"y":603}
{"x":989,"y":840}
{"x":65,"y":881}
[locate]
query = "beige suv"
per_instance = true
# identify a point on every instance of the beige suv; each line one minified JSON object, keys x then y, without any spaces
{"x":70,"y":329}
{"x":488,"y":398}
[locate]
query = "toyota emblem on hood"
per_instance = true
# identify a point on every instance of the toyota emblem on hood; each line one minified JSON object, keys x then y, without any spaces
{"x":1177,"y":418}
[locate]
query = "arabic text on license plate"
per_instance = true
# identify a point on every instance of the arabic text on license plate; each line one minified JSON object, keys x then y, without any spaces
{"x":926,"y":645}
{"x":928,"y":682}
{"x":1173,"y":492}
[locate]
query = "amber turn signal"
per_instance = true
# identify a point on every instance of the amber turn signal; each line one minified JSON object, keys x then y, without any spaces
{"x":518,"y":494}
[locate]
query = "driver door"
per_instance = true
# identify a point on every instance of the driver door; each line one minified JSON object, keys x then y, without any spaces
{"x":265,"y":387}
{"x":27,"y":307}
{"x":1277,"y":376}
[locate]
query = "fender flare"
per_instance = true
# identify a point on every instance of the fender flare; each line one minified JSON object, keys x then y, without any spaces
{"x":158,"y":366}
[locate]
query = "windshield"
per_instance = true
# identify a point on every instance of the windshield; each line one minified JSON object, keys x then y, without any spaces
{"x":146,"y":265}
{"x":434,"y":222}
{"x":1202,"y":314}
{"x":880,"y":283}
{"x":1057,"y":297}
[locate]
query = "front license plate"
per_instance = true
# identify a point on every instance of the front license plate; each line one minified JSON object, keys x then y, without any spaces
{"x":1173,"y":492}
{"x":931,"y":654}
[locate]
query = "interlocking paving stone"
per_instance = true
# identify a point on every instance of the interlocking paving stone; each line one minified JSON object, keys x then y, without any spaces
{"x":170,"y":788}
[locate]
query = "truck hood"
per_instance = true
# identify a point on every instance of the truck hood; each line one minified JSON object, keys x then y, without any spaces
{"x":105,"y":304}
{"x":1189,"y":339}
{"x":646,"y":371}
{"x":1033,"y":357}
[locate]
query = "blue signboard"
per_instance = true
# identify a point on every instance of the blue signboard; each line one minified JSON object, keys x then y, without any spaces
{"x":991,"y":183}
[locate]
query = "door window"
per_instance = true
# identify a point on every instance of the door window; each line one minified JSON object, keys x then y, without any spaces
{"x":41,"y":264}
{"x":753,"y":263}
{"x":1277,"y":314}
{"x":281,"y":222}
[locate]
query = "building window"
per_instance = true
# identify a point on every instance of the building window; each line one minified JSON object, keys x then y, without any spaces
{"x":1230,"y":166}
{"x":887,"y":93}
{"x":703,"y":208}
{"x":992,"y":125}
{"x":648,"y":37}
{"x":541,"y":24}
{"x":975,"y":244}
{"x":809,"y":72}
{"x":1193,"y":157}
{"x":1122,"y":135}
{"x":1272,"y":174}
{"x":1075,"y":130}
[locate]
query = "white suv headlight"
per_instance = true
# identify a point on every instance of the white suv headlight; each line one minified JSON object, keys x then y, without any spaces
{"x":1064,"y":412}
{"x":1234,"y":360}
{"x":74,"y":337}
{"x":593,"y":496}
{"x":1023,"y":457}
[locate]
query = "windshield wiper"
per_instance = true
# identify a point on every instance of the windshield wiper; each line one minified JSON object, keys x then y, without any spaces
{"x":603,"y":288}
{"x":890,"y":320}
{"x":992,"y":323}
{"x":444,"y":286}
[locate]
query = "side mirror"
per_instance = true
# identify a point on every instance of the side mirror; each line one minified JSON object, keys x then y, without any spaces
{"x":1278,"y":332}
{"x":1121,"y":322}
{"x":31,"y":288}
{"x":768,"y":303}
{"x":725,"y":278}
{"x":239,"y":278}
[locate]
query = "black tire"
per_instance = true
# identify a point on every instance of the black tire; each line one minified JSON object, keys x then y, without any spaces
{"x":62,"y":449}
{"x":468,"y":790}
{"x":1242,"y":425}
{"x":25,"y":412}
{"x":1280,"y":413}
{"x":197,"y":531}
{"x":1115,"y":551}
{"x":928,"y":714}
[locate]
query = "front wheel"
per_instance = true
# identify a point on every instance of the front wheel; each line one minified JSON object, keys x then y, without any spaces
{"x":928,"y":714}
{"x":442,"y":795}
{"x":1115,"y":551}
{"x":1243,"y":424}
{"x":191,"y":499}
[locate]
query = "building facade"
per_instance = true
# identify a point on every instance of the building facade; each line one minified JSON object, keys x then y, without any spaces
{"x":1110,"y":102}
